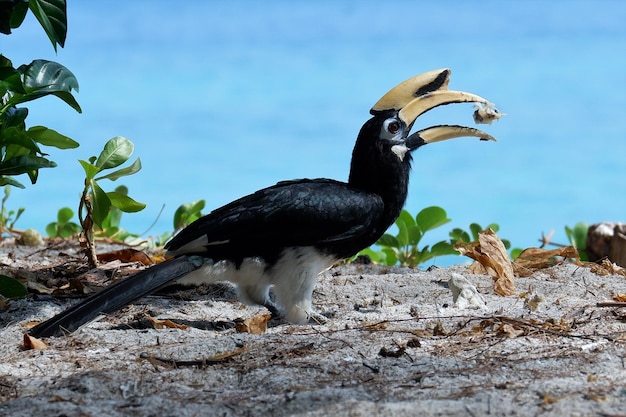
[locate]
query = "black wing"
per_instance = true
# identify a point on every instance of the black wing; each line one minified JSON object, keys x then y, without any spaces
{"x":327,"y":214}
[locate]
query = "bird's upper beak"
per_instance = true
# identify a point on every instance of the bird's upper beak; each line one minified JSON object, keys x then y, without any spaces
{"x":424,"y":92}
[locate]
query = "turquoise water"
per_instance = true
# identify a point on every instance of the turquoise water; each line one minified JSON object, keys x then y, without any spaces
{"x":223,"y":98}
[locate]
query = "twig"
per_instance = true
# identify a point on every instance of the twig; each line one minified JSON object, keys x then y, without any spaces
{"x":611,"y":304}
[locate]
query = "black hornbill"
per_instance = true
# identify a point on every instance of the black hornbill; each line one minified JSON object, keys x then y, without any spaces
{"x":283,"y":236}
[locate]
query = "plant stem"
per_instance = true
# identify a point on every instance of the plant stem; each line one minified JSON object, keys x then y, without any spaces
{"x":86,"y":236}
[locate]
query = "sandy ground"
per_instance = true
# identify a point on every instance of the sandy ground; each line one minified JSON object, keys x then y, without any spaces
{"x":395,"y":344}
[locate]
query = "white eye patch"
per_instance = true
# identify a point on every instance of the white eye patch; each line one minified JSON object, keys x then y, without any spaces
{"x":391,"y":129}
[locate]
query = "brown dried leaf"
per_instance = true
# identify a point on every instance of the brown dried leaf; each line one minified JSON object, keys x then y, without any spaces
{"x":39,"y":288}
{"x":532,"y":259}
{"x":126,"y":255}
{"x":254,"y":325}
{"x":510,"y":331}
{"x":161,"y":324}
{"x":605,"y":267}
{"x":490,"y":252}
{"x":620,"y":297}
{"x":34,"y":343}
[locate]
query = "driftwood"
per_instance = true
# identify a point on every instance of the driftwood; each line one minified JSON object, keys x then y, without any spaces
{"x":607,"y":240}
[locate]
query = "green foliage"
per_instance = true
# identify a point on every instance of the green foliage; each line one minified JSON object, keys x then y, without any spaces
{"x":8,"y":217}
{"x":63,"y":227}
{"x":116,"y":152}
{"x":51,"y":14}
{"x":111,"y":224}
{"x":188,"y":213}
{"x":20,"y":151}
{"x":100,"y":209}
{"x":184,"y":215}
{"x":404,"y":249}
{"x":11,"y":287}
{"x":577,"y":237}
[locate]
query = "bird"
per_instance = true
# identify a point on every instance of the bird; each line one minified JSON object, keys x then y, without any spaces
{"x":272,"y":244}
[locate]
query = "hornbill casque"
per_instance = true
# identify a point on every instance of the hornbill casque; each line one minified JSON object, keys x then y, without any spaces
{"x":283,"y":236}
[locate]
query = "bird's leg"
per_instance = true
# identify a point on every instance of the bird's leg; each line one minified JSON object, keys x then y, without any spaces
{"x":293,"y":294}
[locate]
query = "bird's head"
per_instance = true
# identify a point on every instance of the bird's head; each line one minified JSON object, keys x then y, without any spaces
{"x":396,"y":112}
{"x":381,"y":159}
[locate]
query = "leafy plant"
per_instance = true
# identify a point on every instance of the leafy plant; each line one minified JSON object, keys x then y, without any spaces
{"x":97,"y":207}
{"x":8,"y":217}
{"x":187,"y":213}
{"x":403,"y":248}
{"x":183,"y":216}
{"x":63,"y":227}
{"x":20,"y":151}
{"x":577,"y":237}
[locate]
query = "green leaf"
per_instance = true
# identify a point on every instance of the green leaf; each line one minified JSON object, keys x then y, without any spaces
{"x":493,"y":226}
{"x":130,"y":170}
{"x":577,"y":236}
{"x":403,"y":232}
{"x":23,"y":164}
{"x":431,"y":218}
{"x":12,"y":14}
{"x":415,"y":235}
{"x":69,"y":229}
{"x":112,"y":221}
{"x":391,"y":256}
{"x":17,"y":136}
{"x":44,"y":75}
{"x":116,"y":151}
{"x":52,"y":16}
{"x":443,"y":248}
{"x":475,"y":228}
{"x":12,"y":288}
{"x":406,"y":218}
{"x":52,"y":230}
{"x":188,"y":213}
{"x":388,"y":241}
{"x":64,"y":215}
{"x":42,"y":78}
{"x":100,"y":203}
{"x":11,"y":80}
{"x":459,"y":234}
{"x":125,"y":203}
{"x":49,"y":137}
{"x":90,"y":169}
{"x":4,"y":180}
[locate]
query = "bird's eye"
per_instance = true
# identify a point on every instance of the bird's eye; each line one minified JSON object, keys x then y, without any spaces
{"x":393,"y":127}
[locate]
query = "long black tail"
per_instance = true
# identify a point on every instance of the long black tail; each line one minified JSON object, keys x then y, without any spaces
{"x":117,"y":296}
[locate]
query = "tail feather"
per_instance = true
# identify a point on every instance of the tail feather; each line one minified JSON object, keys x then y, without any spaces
{"x":116,"y":296}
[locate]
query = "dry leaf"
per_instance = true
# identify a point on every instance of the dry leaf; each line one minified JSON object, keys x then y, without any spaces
{"x":254,"y":325}
{"x":620,"y":297}
{"x":510,"y":331}
{"x":161,"y":324}
{"x":126,"y":255}
{"x":34,"y":343}
{"x":490,"y":252}
{"x":605,"y":267}
{"x":532,"y":259}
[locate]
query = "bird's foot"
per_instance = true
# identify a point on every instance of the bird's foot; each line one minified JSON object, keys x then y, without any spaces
{"x":274,"y":310}
{"x":317,"y":318}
